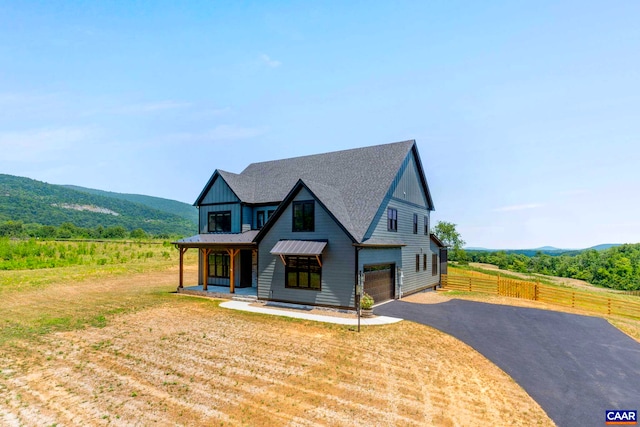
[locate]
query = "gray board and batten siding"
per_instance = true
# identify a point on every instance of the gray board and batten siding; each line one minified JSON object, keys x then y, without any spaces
{"x":338,"y":260}
{"x":407,"y":196}
{"x":220,"y":198}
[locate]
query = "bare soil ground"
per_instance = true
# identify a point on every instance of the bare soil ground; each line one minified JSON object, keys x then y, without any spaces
{"x":168,"y":359}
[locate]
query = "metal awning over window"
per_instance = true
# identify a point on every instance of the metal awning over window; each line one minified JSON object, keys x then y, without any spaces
{"x":299,"y":248}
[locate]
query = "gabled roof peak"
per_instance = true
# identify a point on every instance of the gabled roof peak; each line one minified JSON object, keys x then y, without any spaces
{"x":347,"y":152}
{"x":351,"y":183}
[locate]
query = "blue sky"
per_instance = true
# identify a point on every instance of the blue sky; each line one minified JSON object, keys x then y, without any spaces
{"x":526,"y":114}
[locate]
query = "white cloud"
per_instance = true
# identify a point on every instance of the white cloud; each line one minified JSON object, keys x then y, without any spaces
{"x":518,"y":207}
{"x":270,"y":62}
{"x":40,"y":144}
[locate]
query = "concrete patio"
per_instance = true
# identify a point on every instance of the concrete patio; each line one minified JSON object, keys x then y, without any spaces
{"x":220,"y":292}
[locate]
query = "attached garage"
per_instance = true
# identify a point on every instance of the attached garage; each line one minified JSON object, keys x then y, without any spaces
{"x":379,"y":281}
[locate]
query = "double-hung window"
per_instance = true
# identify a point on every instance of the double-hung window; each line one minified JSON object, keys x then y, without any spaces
{"x":424,"y":262}
{"x":303,"y":216}
{"x":392,"y":219}
{"x":415,"y":223}
{"x":426,"y":225}
{"x":303,"y":272}
{"x":220,"y":222}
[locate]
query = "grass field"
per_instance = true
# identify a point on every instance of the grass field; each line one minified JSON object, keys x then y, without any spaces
{"x":113,"y":345}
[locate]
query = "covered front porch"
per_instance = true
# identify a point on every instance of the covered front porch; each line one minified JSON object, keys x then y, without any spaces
{"x":227,"y":263}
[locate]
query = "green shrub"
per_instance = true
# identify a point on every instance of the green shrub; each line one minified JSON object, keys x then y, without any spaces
{"x":366,"y":302}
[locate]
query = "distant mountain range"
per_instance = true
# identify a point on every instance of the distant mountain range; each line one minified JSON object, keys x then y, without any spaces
{"x":36,"y":202}
{"x":549,"y":250}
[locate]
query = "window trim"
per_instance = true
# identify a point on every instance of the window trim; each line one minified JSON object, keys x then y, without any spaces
{"x":305,"y":223}
{"x":311,"y":263}
{"x":415,"y":223}
{"x":225,"y":262}
{"x":392,"y":219}
{"x":218,"y":214}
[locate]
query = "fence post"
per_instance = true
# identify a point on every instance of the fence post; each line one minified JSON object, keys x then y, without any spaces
{"x":470,"y":283}
{"x":573,"y":299}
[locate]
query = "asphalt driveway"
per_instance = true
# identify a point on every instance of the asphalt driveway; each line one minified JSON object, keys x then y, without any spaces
{"x":575,"y":367}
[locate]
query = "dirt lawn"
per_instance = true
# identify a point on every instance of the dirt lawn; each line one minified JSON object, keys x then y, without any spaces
{"x":179,"y":360}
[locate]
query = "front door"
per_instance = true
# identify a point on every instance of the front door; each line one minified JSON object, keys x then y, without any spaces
{"x":245,"y":268}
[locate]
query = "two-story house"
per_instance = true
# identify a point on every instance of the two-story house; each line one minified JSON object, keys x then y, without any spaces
{"x":304,"y":229}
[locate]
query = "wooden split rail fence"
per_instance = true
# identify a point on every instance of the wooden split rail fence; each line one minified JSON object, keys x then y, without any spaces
{"x":485,"y":283}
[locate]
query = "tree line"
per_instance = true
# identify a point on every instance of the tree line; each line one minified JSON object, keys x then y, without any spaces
{"x":617,"y":267}
{"x":68,"y":230}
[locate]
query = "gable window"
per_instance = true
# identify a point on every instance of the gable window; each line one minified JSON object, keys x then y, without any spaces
{"x":415,"y":223}
{"x":392,"y":219}
{"x":417,"y":262}
{"x":426,"y":225}
{"x":219,"y":265}
{"x":303,"y":272}
{"x":269,"y":213}
{"x":220,"y":222}
{"x":434,"y":264}
{"x":303,"y":216}
{"x":424,"y":262}
{"x":260,"y":222}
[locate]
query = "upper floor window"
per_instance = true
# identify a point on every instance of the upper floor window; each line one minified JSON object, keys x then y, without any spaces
{"x":303,"y":216}
{"x":415,"y":223}
{"x":392,"y":219}
{"x":260,"y":222}
{"x":426,"y":225}
{"x":220,"y":222}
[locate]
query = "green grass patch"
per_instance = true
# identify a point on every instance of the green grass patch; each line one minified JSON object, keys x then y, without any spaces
{"x":35,"y":302}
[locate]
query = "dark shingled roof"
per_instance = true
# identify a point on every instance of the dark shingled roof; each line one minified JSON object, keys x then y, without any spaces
{"x":350,"y":183}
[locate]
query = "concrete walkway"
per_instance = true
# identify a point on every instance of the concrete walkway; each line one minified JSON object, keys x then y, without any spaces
{"x":300,"y":314}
